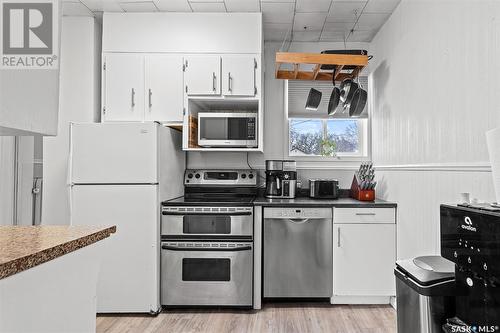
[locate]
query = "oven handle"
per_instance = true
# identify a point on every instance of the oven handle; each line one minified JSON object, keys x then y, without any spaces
{"x":208,"y":213}
{"x":208,"y":249}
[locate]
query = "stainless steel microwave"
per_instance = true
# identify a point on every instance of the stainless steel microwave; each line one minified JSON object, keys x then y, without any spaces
{"x":227,"y":129}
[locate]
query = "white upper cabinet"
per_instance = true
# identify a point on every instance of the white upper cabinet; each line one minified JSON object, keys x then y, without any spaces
{"x":202,"y":75}
{"x":164,"y":88}
{"x":123,"y":87}
{"x":238,"y":75}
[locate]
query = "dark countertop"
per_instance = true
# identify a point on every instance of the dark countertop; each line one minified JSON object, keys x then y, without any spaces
{"x":24,"y":247}
{"x":306,"y":201}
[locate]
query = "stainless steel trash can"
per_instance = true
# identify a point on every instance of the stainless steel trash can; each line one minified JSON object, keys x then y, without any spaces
{"x":425,"y":289}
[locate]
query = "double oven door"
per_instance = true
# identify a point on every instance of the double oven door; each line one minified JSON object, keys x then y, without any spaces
{"x":207,"y":256}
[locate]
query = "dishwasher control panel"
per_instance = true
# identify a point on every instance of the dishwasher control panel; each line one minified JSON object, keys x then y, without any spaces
{"x":297,"y":212}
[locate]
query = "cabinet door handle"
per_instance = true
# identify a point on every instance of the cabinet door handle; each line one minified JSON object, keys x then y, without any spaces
{"x":133,"y":97}
{"x":338,"y":236}
{"x":213,"y":81}
{"x":150,"y":101}
{"x":229,"y":82}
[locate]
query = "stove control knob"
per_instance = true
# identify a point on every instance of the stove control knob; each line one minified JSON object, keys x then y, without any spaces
{"x":250,"y":176}
{"x":455,"y":254}
{"x":286,"y":176}
{"x":197,"y":176}
{"x":190,"y":175}
{"x":485,"y":267}
{"x":243,"y":175}
{"x":469,"y":281}
{"x":469,"y":260}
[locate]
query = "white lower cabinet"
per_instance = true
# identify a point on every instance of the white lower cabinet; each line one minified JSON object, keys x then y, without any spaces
{"x":363,"y":258}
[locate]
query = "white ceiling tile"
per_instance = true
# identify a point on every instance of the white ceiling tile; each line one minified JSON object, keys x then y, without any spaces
{"x":369,"y":21}
{"x":345,"y":11}
{"x":338,"y":26}
{"x":310,"y":21}
{"x":310,"y":6}
{"x":362,"y":36}
{"x":136,"y":7}
{"x":173,"y":5}
{"x":102,"y":5}
{"x":333,"y":36}
{"x":207,"y":7}
{"x":306,"y":36}
{"x":278,"y":12}
{"x":277,"y":30}
{"x":381,"y":6}
{"x":274,"y":35}
{"x":242,"y":5}
{"x":75,"y":9}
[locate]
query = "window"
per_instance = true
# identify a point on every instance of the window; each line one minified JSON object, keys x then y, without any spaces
{"x":313,"y":135}
{"x":326,"y":137}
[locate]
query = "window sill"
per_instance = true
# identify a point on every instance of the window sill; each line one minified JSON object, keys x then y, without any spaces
{"x":343,"y":163}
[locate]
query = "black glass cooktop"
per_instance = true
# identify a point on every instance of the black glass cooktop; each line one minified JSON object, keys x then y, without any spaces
{"x":211,"y":200}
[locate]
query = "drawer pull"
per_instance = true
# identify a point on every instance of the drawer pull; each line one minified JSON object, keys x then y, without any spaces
{"x":365,"y":214}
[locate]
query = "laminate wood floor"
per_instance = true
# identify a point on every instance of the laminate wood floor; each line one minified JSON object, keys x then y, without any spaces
{"x":277,"y":317}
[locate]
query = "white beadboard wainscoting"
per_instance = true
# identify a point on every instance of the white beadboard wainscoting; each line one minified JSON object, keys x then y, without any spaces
{"x":419,"y":190}
{"x":428,"y":117}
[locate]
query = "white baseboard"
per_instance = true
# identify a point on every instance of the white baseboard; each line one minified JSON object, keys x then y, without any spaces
{"x":360,"y":300}
{"x":393,"y":302}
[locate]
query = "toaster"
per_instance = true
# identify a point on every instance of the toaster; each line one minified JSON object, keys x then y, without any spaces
{"x":324,"y":188}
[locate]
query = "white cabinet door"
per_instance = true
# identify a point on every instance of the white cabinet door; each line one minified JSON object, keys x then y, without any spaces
{"x":202,"y":76}
{"x":238,"y":75}
{"x":164,"y":88}
{"x":123,"y":87}
{"x":364,"y":257}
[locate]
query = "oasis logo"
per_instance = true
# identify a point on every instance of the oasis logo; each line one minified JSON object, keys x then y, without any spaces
{"x":468,"y":224}
{"x":29,"y":34}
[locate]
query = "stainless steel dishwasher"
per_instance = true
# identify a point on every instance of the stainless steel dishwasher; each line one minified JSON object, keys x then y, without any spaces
{"x":298,"y":252}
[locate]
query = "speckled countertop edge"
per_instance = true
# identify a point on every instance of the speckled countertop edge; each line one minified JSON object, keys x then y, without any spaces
{"x":34,"y":259}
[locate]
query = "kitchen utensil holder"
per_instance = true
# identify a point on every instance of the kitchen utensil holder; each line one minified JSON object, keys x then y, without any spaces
{"x":359,"y":194}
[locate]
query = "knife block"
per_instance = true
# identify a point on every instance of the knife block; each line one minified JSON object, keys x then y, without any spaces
{"x":359,"y":194}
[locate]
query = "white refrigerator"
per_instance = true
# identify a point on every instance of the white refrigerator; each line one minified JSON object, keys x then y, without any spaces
{"x":119,"y":174}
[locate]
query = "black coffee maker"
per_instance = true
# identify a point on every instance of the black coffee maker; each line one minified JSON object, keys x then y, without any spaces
{"x":281,"y":179}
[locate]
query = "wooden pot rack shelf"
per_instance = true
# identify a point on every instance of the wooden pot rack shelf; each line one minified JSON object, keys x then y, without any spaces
{"x":350,"y":66}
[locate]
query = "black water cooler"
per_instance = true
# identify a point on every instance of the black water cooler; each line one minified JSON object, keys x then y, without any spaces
{"x":470,"y":237}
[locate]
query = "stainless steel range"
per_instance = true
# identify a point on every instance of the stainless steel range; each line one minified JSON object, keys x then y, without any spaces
{"x":207,"y":240}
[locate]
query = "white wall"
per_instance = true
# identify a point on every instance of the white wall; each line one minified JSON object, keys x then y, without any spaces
{"x":434,"y":79}
{"x":6,"y":180}
{"x":79,"y":102}
{"x":274,"y":126}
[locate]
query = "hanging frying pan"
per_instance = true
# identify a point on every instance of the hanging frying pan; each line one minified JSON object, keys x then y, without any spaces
{"x":358,"y":102}
{"x":334,"y":97}
{"x":347,"y":89}
{"x":313,"y":99}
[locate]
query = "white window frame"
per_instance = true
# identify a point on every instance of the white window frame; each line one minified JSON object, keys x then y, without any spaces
{"x":341,"y":158}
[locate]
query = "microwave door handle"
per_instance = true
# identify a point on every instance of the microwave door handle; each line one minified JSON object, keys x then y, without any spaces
{"x":278,"y":183}
{"x":207,"y":249}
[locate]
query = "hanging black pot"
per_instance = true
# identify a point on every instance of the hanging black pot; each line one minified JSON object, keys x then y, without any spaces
{"x":334,"y":101}
{"x":313,"y":99}
{"x":358,"y":102}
